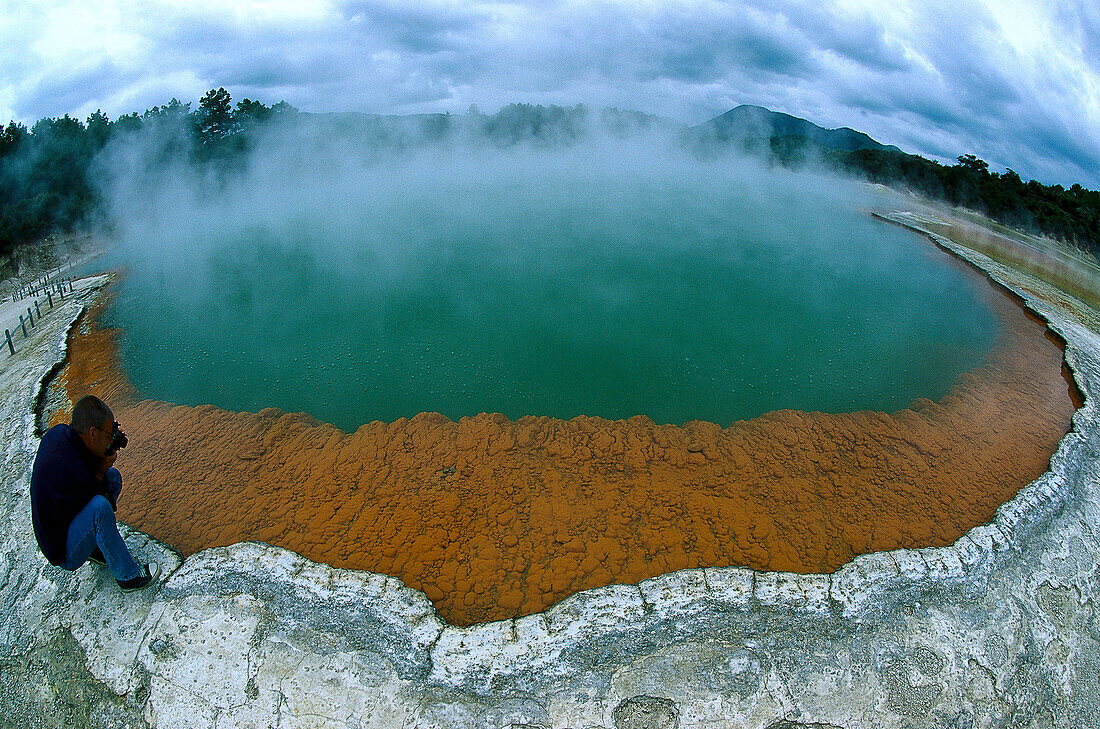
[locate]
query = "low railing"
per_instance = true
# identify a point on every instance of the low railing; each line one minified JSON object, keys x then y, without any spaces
{"x":40,"y":285}
{"x":54,"y":288}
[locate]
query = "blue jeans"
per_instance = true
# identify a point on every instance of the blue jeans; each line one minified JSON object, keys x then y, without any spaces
{"x":95,"y":527}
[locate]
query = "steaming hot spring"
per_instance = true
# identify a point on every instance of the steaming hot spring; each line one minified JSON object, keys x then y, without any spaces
{"x":510,"y":376}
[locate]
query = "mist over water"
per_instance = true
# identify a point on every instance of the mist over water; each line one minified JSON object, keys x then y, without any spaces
{"x":609,"y":278}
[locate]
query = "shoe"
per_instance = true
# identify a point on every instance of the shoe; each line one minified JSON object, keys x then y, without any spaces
{"x":97,"y":557}
{"x":151,"y":572}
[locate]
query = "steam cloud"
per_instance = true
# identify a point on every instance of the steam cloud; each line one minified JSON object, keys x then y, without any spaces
{"x":357,"y":266}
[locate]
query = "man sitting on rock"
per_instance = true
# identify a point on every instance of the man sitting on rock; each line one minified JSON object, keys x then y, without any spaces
{"x":74,"y":490}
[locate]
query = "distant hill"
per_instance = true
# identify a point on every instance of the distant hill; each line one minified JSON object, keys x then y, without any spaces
{"x":754,"y":127}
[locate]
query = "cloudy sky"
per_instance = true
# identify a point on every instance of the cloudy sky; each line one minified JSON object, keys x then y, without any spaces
{"x":1016,"y":82}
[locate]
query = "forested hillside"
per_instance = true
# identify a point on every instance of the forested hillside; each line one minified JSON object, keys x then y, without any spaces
{"x":46,"y":171}
{"x":1070,"y":215}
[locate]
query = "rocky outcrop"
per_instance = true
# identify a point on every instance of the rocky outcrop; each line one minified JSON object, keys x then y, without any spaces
{"x":999,"y":629}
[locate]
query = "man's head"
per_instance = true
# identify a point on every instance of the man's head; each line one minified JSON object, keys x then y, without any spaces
{"x":94,"y":423}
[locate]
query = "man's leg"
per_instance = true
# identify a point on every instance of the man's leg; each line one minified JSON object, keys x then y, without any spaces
{"x":95,"y":526}
{"x":114,"y":483}
{"x":114,"y":488}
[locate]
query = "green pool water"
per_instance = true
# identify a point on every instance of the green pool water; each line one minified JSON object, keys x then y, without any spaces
{"x":560,"y":289}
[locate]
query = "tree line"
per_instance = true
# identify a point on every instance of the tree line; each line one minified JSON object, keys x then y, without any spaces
{"x":47,"y":172}
{"x":1071,"y":215}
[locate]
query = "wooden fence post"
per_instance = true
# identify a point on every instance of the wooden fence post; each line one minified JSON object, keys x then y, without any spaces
{"x":11,"y":347}
{"x":49,"y":298}
{"x":30,"y":316}
{"x":23,"y":324}
{"x":36,"y":309}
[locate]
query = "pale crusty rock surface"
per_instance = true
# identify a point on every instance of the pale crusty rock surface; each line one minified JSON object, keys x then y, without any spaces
{"x":999,"y":630}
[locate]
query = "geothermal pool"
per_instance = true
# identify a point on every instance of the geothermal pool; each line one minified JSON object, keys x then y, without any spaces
{"x":555,"y":289}
{"x":531,"y":376}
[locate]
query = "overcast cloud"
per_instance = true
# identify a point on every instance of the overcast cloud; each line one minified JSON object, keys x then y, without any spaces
{"x":1016,"y":83}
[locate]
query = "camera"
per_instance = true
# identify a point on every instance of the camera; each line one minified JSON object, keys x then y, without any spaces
{"x":118,"y":440}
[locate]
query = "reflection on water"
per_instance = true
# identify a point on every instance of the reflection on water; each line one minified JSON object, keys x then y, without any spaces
{"x":673,"y":297}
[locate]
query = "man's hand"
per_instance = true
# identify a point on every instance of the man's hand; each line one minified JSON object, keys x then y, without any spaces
{"x":105,"y":463}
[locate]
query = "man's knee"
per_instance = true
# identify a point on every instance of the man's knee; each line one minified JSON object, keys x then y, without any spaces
{"x":101,"y":508}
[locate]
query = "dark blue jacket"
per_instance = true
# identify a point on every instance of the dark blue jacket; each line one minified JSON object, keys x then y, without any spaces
{"x":62,"y":483}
